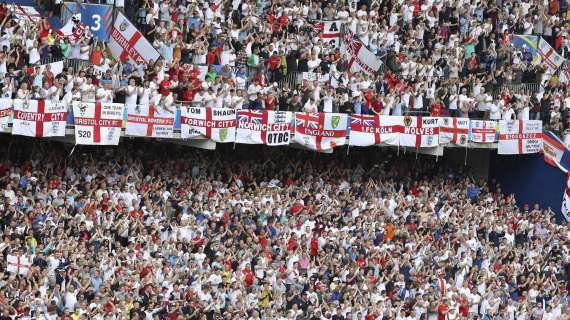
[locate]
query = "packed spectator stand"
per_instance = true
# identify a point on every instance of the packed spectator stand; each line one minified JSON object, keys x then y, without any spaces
{"x":151,"y":230}
{"x":439,"y":58}
{"x":268,"y":233}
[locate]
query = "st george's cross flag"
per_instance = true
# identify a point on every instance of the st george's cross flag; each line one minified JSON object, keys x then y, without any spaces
{"x":320,"y":131}
{"x":18,"y":264}
{"x":369,"y":130}
{"x":98,"y":123}
{"x":126,"y":42}
{"x":217,"y":124}
{"x":420,"y":132}
{"x":272,"y":128}
{"x":454,"y":131}
{"x":520,"y":137}
{"x":483,"y":131}
{"x":360,"y":59}
{"x":549,"y":56}
{"x":5,"y":113}
{"x":39,"y":118}
{"x":149,"y":121}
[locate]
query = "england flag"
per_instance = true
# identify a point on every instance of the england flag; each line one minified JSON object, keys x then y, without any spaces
{"x":39,"y":118}
{"x":149,"y":121}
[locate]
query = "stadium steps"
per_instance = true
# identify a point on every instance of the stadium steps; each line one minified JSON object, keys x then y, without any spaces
{"x":55,"y":22}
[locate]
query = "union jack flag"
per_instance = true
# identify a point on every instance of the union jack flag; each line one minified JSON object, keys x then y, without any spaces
{"x":308,"y":120}
{"x":251,"y":116}
{"x":362,"y":120}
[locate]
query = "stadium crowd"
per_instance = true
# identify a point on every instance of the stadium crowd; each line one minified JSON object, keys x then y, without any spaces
{"x":440,"y":57}
{"x":268,"y":233}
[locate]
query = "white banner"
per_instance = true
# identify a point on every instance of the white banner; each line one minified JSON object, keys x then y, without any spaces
{"x":454,"y":131}
{"x":360,"y":59}
{"x":98,"y":123}
{"x":127,"y":42}
{"x":39,"y":118}
{"x":420,"y":132}
{"x":520,"y":137}
{"x":331,"y":33}
{"x":216,"y":124}
{"x":320,"y":131}
{"x":483,"y":131}
{"x":272,"y":128}
{"x":5,"y":113}
{"x":149,"y":121}
{"x":368,"y":130}
{"x":18,"y":264}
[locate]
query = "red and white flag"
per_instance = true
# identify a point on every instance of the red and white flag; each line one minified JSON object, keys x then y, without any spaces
{"x":360,"y":59}
{"x":549,"y":56}
{"x":26,"y":15}
{"x":5,"y":113}
{"x":18,"y":264}
{"x":217,"y":124}
{"x":483,"y":131}
{"x":149,"y":121}
{"x":454,"y":131}
{"x":320,"y":131}
{"x":272,"y":128}
{"x":520,"y":137}
{"x":420,"y":132}
{"x":73,"y":30}
{"x":369,"y":130}
{"x":98,"y":123}
{"x":39,"y":118}
{"x":127,"y":42}
{"x":330,"y":33}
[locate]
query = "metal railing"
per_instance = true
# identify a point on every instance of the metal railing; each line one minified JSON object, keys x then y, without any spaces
{"x":69,"y":63}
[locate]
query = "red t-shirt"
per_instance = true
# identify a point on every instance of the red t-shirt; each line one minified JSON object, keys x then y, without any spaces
{"x":248,"y":277}
{"x":442,"y":311}
{"x":164,"y":85}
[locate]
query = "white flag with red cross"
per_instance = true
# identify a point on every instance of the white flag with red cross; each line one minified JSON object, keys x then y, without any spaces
{"x":98,"y":123}
{"x":320,"y":131}
{"x":18,"y":264}
{"x":5,"y":113}
{"x":127,"y":42}
{"x":360,"y":59}
{"x":39,"y":118}
{"x":549,"y":56}
{"x":272,"y":128}
{"x":149,"y":121}
{"x":453,"y":131}
{"x":520,"y":137}
{"x":217,"y":124}
{"x":420,"y":132}
{"x":369,"y":130}
{"x":483,"y":131}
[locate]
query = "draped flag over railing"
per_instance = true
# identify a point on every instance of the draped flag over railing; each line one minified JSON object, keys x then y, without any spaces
{"x":272,"y":128}
{"x":98,"y":123}
{"x":320,"y":131}
{"x":454,"y":131}
{"x":215,"y":124}
{"x":420,"y":132}
{"x":483,"y":131}
{"x":150,"y":121}
{"x":102,"y":124}
{"x":520,"y":137}
{"x":39,"y":118}
{"x":369,"y":130}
